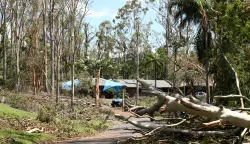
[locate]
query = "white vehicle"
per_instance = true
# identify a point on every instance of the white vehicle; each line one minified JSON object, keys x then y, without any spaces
{"x":200,"y":94}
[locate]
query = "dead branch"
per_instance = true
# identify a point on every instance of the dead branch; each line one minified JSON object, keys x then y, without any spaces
{"x":19,"y":122}
{"x":35,"y":130}
{"x":212,"y":124}
{"x":236,"y":78}
{"x":242,"y":136}
{"x":242,"y":109}
{"x":232,"y":96}
{"x":172,"y":130}
{"x":193,"y":106}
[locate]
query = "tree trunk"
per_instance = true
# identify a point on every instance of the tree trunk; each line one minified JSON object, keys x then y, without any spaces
{"x":175,"y":69}
{"x":72,"y":32}
{"x":44,"y":47}
{"x":155,"y":75}
{"x":191,"y":105}
{"x":58,"y":59}
{"x":4,"y":44}
{"x":167,"y":39}
{"x":97,"y":91}
{"x":52,"y":46}
{"x":207,"y":65}
{"x":138,"y":61}
{"x":86,"y":44}
{"x":17,"y":39}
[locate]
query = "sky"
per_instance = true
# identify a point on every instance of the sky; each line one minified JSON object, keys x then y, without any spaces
{"x":101,"y":10}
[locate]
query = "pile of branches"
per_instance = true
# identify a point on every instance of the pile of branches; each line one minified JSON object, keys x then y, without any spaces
{"x":199,"y":119}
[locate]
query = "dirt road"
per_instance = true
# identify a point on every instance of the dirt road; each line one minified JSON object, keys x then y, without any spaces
{"x":113,"y":135}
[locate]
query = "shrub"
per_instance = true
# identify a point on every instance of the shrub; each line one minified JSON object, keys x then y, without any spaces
{"x":21,"y":102}
{"x":46,"y":114}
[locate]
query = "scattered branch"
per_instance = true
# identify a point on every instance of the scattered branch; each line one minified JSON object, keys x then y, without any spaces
{"x":172,"y":130}
{"x":233,"y":96}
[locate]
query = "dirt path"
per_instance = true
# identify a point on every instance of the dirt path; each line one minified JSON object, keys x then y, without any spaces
{"x":113,"y":135}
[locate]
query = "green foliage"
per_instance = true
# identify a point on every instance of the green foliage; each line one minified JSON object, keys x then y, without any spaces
{"x":111,"y":92}
{"x":47,"y":114}
{"x":90,"y":127}
{"x":85,"y":82}
{"x":10,"y":136}
{"x":20,"y":101}
{"x":7,"y":111}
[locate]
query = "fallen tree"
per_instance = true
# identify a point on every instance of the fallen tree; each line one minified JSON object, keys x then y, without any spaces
{"x":215,"y":115}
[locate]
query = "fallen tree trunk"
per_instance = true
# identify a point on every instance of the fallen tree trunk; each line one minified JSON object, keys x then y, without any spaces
{"x":173,"y":130}
{"x":193,"y":106}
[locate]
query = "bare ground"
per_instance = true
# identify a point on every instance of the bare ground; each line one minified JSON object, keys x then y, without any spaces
{"x":119,"y":131}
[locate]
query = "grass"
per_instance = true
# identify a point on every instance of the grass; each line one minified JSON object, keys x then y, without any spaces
{"x":67,"y":124}
{"x":22,"y":137}
{"x":7,"y":111}
{"x":90,"y":127}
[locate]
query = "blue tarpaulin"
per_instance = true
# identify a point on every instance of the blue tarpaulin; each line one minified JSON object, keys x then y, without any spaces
{"x":67,"y":85}
{"x":111,"y":84}
{"x":108,"y":84}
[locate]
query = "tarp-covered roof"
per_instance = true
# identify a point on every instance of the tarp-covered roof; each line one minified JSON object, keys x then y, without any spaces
{"x":67,"y":85}
{"x":130,"y":83}
{"x":102,"y":82}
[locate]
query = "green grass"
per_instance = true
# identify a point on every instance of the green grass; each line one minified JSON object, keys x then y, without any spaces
{"x":90,"y":127}
{"x":7,"y":111}
{"x":24,"y":138}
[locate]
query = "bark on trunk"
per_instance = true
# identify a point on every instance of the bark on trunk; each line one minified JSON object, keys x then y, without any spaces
{"x":167,"y":39}
{"x":52,"y":47}
{"x":193,"y":106}
{"x":17,"y":49}
{"x":57,"y":60}
{"x":97,"y":92}
{"x":44,"y":47}
{"x":4,"y":34}
{"x":4,"y":48}
{"x":72,"y":37}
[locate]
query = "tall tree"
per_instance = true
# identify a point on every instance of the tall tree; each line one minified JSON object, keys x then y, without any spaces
{"x":4,"y":34}
{"x":196,"y":11}
{"x":52,"y":49}
{"x":17,"y":45}
{"x":44,"y":46}
{"x":72,"y":47}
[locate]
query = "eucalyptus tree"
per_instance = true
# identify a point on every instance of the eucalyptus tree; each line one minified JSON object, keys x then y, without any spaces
{"x":165,"y":19}
{"x":19,"y":35}
{"x":129,"y":21}
{"x":44,"y":4}
{"x":3,"y":31}
{"x":74,"y":16}
{"x":52,"y":47}
{"x":105,"y":41}
{"x":86,"y":36}
{"x":89,"y":35}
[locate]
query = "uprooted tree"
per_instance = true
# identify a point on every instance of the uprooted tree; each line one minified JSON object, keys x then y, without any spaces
{"x":213,"y":116}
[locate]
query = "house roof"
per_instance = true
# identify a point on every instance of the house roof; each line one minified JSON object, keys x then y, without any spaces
{"x":101,"y":82}
{"x":159,"y":83}
{"x":132,"y":83}
{"x":196,"y":83}
{"x":127,"y":83}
